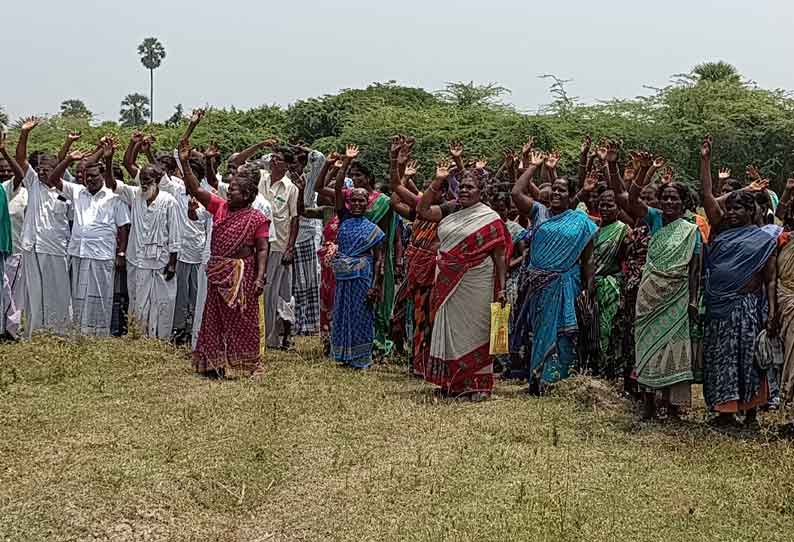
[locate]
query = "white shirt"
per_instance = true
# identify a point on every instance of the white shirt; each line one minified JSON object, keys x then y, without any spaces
{"x":17,"y":203}
{"x":45,"y":229}
{"x":310,"y":226}
{"x":97,"y":218}
{"x":282,"y":196}
{"x":155,"y":230}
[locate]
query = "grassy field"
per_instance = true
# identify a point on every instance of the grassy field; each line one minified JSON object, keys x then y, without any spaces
{"x":118,"y":440}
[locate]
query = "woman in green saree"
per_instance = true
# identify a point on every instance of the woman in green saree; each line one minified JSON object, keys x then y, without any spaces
{"x":667,"y":299}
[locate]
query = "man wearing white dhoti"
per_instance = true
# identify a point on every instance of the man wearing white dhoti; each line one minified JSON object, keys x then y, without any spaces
{"x":99,"y":216}
{"x":154,"y":242}
{"x":11,"y":281}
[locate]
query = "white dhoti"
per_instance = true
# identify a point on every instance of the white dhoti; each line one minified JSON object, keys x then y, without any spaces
{"x":14,"y":294}
{"x":279,"y":303}
{"x":48,"y":293}
{"x":186,"y":293}
{"x":152,"y":300}
{"x":92,"y":295}
{"x":201,"y":299}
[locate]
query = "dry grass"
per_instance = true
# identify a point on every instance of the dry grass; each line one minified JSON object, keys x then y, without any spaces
{"x":117,"y":440}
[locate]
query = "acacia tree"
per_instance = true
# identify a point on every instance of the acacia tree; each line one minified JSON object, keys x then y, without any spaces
{"x":152,"y":54}
{"x":75,"y":108}
{"x":134,"y":110}
{"x":470,"y":94}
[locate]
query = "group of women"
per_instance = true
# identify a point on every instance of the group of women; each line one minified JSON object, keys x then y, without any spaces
{"x":619,"y":277}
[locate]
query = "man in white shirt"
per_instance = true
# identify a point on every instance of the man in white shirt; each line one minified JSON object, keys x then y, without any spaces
{"x":99,"y":215}
{"x":306,"y":267}
{"x":13,"y":284}
{"x":44,"y":241}
{"x":282,"y":195}
{"x":151,"y":251}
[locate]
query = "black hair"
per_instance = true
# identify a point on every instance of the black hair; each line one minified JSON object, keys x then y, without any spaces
{"x":743,"y":198}
{"x":286,"y":153}
{"x":683,"y":192}
{"x":762,"y":198}
{"x":118,"y":173}
{"x":198,"y":167}
{"x":247,"y":176}
{"x":153,"y":170}
{"x":362,"y":167}
{"x":733,"y":184}
{"x":570,"y":183}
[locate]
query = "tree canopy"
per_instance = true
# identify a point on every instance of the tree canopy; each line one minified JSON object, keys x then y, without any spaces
{"x":134,"y":110}
{"x":75,"y":108}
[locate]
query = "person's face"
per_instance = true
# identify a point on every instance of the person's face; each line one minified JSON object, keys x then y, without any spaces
{"x":5,"y":170}
{"x":166,"y":162}
{"x":560,"y":198}
{"x":91,"y":178}
{"x":468,"y":193}
{"x":149,"y":184}
{"x":238,"y":193}
{"x":500,"y":208}
{"x":648,"y":197}
{"x":608,"y":207}
{"x":45,"y":167}
{"x":278,"y":166}
{"x":360,"y":180}
{"x":358,"y":202}
{"x":671,"y":204}
{"x":737,"y":215}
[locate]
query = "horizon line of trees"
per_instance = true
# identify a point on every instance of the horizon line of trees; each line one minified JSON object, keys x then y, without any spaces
{"x":750,"y":125}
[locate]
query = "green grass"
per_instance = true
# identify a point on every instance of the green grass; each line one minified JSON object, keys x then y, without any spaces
{"x":118,"y":440}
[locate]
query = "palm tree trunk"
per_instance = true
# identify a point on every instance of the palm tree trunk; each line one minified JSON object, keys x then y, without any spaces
{"x":151,"y":96}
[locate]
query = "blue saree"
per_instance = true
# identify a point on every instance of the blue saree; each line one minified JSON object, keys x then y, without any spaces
{"x":552,"y":282}
{"x":353,"y":316}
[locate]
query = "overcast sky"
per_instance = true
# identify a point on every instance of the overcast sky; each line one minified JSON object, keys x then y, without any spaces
{"x":247,"y":53}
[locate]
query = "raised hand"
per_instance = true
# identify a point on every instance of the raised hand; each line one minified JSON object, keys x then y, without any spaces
{"x":586,"y":144}
{"x":590,"y":182}
{"x":658,"y":162}
{"x":552,"y":159}
{"x":537,"y":158}
{"x":629,"y":173}
{"x":109,"y":146}
{"x":510,"y":158}
{"x":602,"y":151}
{"x":137,"y":136}
{"x":725,"y":173}
{"x":184,"y":150}
{"x":442,"y":169}
{"x":76,"y":156}
{"x":404,"y":153}
{"x":456,"y":149}
{"x":646,"y":159}
{"x":480,"y":164}
{"x":351,"y":152}
{"x":396,"y":144}
{"x":758,"y":185}
{"x":526,"y":149}
{"x":667,"y":175}
{"x":197,"y":115}
{"x":29,"y":123}
{"x":212,"y":151}
{"x":612,"y":152}
{"x":753,"y":173}
{"x":269,"y":142}
{"x":333,"y":156}
{"x":71,"y":137}
{"x":705,"y":148}
{"x":411,"y":168}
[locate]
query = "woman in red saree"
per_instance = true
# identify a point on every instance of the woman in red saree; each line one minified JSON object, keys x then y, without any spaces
{"x":474,"y":248}
{"x":230,"y":332}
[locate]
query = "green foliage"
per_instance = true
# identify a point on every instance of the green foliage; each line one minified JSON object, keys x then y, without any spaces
{"x":134,"y":110}
{"x":75,"y":108}
{"x":749,"y":124}
{"x":3,"y":117}
{"x":177,"y":117}
{"x":471,"y":94}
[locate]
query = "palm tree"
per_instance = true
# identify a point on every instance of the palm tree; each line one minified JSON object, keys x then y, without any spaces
{"x":713,"y":72}
{"x":3,"y":117}
{"x":152,"y":54}
{"x":134,"y":110}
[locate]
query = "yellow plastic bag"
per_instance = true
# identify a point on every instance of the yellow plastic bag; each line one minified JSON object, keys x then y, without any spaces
{"x":500,"y":322}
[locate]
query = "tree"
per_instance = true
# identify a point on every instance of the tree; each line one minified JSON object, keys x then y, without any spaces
{"x":152,"y":54}
{"x":75,"y":108}
{"x":134,"y":110}
{"x":470,"y":94}
{"x":176,"y":118}
{"x":715,"y":72}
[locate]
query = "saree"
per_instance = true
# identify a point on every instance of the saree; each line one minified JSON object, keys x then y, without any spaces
{"x":230,"y":334}
{"x":785,"y":299}
{"x":352,"y":334}
{"x":552,"y":283}
{"x":662,"y":332}
{"x":380,"y":207}
{"x":421,"y":263}
{"x":459,"y":360}
{"x":609,"y":285}
{"x":326,"y":254}
{"x":734,"y":317}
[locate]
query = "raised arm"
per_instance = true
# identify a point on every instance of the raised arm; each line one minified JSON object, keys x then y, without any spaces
{"x":109,"y":148}
{"x":71,"y":137}
{"x":191,"y":182}
{"x":456,"y":152}
{"x":18,"y":173}
{"x":211,"y":155}
{"x":55,"y":180}
{"x":146,"y":148}
{"x":22,"y":144}
{"x":243,"y":156}
{"x":713,"y":210}
{"x":583,"y":155}
{"x":525,"y":192}
{"x":339,"y":195}
{"x":325,"y":193}
{"x":426,"y":209}
{"x":131,"y":154}
{"x":405,"y":195}
{"x":551,"y":165}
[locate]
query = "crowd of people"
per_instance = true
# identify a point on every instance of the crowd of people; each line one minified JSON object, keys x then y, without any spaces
{"x":620,"y":271}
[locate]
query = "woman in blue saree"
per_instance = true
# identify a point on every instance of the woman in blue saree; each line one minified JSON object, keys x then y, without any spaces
{"x":560,"y":267}
{"x":358,"y":270}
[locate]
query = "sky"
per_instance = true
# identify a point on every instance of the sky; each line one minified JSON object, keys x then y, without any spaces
{"x":249,"y":53}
